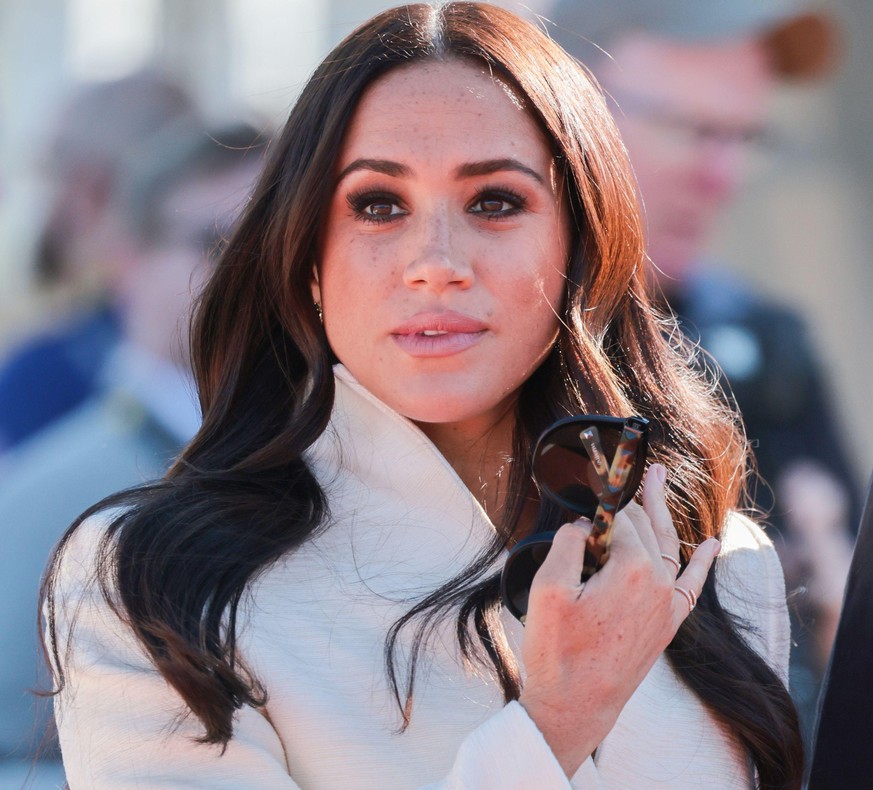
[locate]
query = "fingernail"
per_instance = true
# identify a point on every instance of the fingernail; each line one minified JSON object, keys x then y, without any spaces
{"x":716,"y":546}
{"x":660,"y":473}
{"x":584,"y":524}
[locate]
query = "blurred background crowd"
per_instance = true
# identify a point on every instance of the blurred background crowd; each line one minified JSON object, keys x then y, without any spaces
{"x":132,"y":130}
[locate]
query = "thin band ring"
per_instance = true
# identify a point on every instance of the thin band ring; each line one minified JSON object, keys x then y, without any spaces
{"x":689,"y":596}
{"x":672,"y":560}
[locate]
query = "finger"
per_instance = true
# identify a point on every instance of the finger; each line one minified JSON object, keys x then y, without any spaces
{"x":640,"y":532}
{"x":672,"y":562}
{"x":643,"y":526}
{"x":630,"y":525}
{"x":655,"y":506}
{"x":690,"y":583}
{"x":563,"y":564}
{"x":653,"y":521}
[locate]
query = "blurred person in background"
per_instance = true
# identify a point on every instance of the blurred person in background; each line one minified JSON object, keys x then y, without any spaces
{"x":98,"y":136}
{"x":691,"y":84}
{"x":175,"y":206}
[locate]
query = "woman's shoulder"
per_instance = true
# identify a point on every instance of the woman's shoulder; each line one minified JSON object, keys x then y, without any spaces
{"x":93,"y":528}
{"x":740,"y":532}
{"x":751,"y":587}
{"x":81,"y":552}
{"x":748,"y":560}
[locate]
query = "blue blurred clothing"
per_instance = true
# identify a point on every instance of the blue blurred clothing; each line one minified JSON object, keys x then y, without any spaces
{"x":124,"y":436}
{"x":26,"y":775}
{"x":774,"y":373}
{"x":53,"y":373}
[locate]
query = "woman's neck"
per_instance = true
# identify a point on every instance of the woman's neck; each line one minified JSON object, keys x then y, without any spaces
{"x":481,"y":454}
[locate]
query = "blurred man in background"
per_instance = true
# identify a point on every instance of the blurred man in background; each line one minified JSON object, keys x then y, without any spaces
{"x":175,"y":207}
{"x":97,"y":137}
{"x":691,"y":83}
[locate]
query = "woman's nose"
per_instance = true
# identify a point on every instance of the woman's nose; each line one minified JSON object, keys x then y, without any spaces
{"x":438,"y":259}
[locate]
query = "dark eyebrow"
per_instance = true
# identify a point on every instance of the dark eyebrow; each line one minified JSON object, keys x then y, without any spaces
{"x":490,"y":166}
{"x":469,"y":170}
{"x":384,"y":166}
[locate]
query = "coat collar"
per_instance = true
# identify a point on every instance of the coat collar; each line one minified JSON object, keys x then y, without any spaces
{"x":399,"y":513}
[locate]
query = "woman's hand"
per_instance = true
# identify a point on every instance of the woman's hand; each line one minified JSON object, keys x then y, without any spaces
{"x":588,"y":646}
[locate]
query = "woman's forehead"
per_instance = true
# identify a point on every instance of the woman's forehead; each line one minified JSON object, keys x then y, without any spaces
{"x":429,"y":73}
{"x":417,"y":105}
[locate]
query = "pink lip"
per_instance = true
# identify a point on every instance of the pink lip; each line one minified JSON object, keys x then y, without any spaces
{"x":458,"y":333}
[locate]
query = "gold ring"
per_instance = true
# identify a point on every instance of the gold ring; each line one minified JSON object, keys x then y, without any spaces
{"x":672,"y":560}
{"x":689,"y":596}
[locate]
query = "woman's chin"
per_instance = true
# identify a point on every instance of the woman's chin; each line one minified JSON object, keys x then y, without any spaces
{"x":441,"y":398}
{"x":437,"y":413}
{"x":452,"y":410}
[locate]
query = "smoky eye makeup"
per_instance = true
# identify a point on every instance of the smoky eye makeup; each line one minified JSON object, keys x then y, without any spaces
{"x":374,"y":205}
{"x":377,"y":204}
{"x":497,"y":202}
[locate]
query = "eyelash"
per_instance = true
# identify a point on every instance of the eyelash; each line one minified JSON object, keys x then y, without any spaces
{"x":360,"y":200}
{"x":517,"y":202}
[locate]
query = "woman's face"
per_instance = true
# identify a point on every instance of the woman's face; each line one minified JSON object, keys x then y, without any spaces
{"x":445,"y":248}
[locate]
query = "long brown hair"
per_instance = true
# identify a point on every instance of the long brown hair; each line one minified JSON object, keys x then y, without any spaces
{"x":241,"y":493}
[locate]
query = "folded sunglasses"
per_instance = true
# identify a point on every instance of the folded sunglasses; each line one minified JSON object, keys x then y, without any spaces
{"x":590,"y":465}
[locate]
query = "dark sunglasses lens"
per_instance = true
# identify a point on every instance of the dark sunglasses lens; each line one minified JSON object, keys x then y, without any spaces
{"x":571,"y":464}
{"x":567,"y":460}
{"x":521,"y":566}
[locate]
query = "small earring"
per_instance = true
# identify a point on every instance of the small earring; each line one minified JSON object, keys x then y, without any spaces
{"x":319,"y":311}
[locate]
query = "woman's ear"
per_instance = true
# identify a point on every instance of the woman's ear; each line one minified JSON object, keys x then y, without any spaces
{"x":315,"y":286}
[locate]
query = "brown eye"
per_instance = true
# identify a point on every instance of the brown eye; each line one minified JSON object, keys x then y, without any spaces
{"x":491,"y":205}
{"x":497,"y":204}
{"x":380,"y":209}
{"x":376,"y":207}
